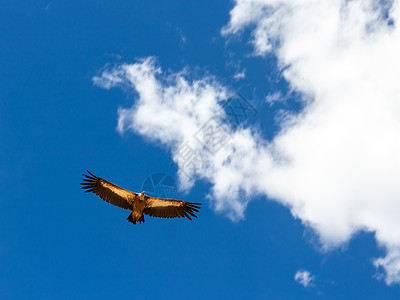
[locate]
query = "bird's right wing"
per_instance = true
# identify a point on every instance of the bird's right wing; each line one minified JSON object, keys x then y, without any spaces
{"x":170,"y":208}
{"x":107,"y":191}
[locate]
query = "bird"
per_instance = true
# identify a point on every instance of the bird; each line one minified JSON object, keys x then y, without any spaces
{"x":138,"y":203}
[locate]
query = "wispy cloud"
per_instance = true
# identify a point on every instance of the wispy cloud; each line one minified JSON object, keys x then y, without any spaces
{"x":182,"y":37}
{"x":240,"y":75}
{"x":335,"y":164}
{"x":275,"y":97}
{"x":304,"y":278}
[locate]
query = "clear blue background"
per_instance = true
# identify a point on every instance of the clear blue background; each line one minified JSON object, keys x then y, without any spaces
{"x":57,"y":242}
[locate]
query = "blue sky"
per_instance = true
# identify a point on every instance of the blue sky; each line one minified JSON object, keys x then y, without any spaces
{"x":262,"y":220}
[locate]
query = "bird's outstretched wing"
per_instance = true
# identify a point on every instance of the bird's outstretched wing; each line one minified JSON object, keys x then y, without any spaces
{"x":169,"y":208}
{"x":107,"y":191}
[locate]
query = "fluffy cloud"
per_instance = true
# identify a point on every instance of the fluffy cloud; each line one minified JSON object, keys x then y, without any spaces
{"x":342,"y":167}
{"x":304,"y":278}
{"x":336,"y":164}
{"x":189,"y":118}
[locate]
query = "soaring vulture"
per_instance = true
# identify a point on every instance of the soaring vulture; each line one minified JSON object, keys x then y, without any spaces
{"x":139,"y":204}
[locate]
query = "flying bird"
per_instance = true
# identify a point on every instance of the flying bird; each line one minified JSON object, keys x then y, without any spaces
{"x":139,"y":203}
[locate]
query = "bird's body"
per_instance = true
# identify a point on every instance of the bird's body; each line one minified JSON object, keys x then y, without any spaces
{"x":138,"y":203}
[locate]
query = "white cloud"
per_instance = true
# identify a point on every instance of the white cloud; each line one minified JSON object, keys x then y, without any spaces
{"x":274,"y":98}
{"x":342,"y":167}
{"x":336,"y":165}
{"x":240,"y":75}
{"x":173,"y":110}
{"x":304,"y":278}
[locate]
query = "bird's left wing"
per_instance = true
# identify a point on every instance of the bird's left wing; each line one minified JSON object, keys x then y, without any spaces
{"x":169,"y":208}
{"x":107,"y":191}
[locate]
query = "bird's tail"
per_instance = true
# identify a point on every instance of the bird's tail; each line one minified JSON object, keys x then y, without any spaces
{"x":133,"y":221}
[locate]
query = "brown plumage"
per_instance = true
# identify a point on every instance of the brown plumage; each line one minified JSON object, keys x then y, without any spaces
{"x":139,"y":204}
